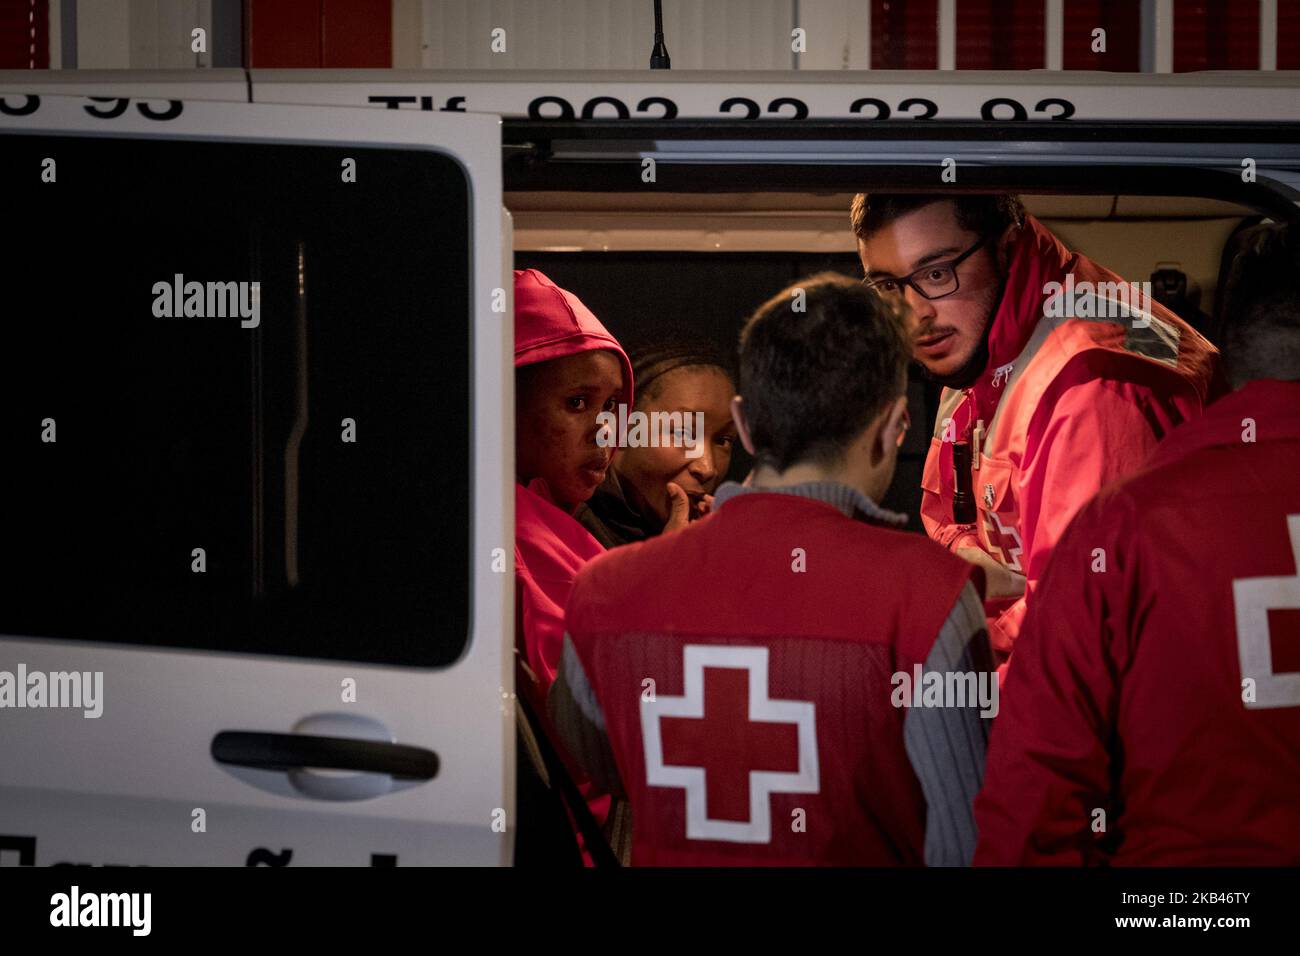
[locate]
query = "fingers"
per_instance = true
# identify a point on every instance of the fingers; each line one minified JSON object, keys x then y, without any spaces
{"x":679,"y":514}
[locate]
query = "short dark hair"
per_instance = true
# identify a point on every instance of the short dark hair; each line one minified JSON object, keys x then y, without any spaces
{"x":1261,"y":298}
{"x":670,"y":349}
{"x":984,"y":215}
{"x":813,"y":379}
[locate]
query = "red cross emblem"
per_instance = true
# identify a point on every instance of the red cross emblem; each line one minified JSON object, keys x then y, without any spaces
{"x":1005,"y":539}
{"x":728,"y":745}
{"x":1266,"y":608}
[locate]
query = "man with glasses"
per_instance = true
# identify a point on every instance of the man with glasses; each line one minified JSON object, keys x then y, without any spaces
{"x":1049,"y":393}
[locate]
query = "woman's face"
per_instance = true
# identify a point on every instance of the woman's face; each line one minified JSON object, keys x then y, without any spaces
{"x":556,"y":404}
{"x":699,"y":388}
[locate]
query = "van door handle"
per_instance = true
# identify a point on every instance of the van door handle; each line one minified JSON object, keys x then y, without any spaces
{"x":290,"y":752}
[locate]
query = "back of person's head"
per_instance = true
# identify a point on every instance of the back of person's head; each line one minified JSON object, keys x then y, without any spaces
{"x":819,"y":361}
{"x":1261,"y":334}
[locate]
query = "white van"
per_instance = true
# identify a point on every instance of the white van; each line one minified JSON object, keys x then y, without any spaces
{"x":259,"y":401}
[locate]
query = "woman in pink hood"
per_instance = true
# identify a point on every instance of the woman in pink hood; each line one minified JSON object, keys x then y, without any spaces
{"x":568,"y":369}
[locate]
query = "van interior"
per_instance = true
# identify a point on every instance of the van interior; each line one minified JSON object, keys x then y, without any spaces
{"x":704,"y":261}
{"x":646,"y":264}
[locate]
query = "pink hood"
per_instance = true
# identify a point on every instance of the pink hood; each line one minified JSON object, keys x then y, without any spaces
{"x":552,"y":323}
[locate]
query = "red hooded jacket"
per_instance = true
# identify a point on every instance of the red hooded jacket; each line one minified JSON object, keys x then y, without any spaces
{"x":1156,"y":690}
{"x":550,"y":545}
{"x":1066,"y":405}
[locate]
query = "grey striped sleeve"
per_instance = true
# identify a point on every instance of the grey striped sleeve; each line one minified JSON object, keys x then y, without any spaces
{"x":576,"y":715}
{"x":946,"y":744}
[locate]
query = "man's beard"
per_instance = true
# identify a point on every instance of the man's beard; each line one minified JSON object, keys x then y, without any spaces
{"x":974,"y":366}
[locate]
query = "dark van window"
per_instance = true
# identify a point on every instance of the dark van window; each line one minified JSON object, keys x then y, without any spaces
{"x":318,"y":458}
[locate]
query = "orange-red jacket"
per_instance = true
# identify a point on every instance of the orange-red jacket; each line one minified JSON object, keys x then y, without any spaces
{"x":1065,"y":406}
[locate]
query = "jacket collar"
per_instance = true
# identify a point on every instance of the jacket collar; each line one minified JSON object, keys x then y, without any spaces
{"x":848,"y":501}
{"x":1034,"y":259}
{"x":612,"y":507}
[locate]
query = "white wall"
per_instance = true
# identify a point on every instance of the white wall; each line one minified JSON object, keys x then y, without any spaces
{"x":140,"y":34}
{"x":595,"y":34}
{"x":618,"y":34}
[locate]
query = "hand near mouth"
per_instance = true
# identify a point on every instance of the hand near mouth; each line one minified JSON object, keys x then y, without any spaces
{"x":679,"y":508}
{"x":701,"y":505}
{"x":685,"y":507}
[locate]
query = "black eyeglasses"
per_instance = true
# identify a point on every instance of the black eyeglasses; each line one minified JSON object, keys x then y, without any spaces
{"x":934,"y":281}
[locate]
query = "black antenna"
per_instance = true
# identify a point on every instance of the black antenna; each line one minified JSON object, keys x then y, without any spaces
{"x":659,"y":55}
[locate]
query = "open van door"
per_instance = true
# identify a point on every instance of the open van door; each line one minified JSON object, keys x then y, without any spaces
{"x":257,"y":592}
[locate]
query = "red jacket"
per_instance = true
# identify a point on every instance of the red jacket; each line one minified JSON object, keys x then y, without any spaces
{"x":733,"y":662}
{"x":1066,"y":405}
{"x":1128,"y":692}
{"x":550,"y":549}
